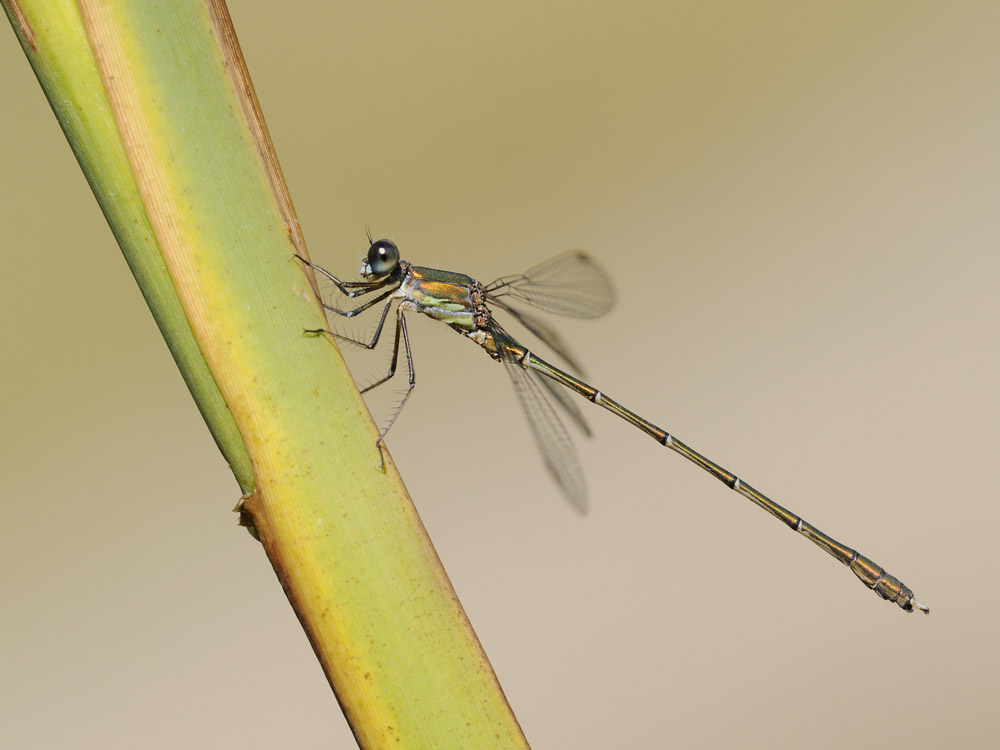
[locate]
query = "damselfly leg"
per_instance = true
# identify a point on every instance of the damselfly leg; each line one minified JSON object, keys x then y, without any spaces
{"x":358,"y":289}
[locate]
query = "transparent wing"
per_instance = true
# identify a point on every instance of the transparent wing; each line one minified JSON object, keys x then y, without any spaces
{"x":565,"y":400}
{"x":558,"y":451}
{"x":568,"y":284}
{"x":546,"y":333}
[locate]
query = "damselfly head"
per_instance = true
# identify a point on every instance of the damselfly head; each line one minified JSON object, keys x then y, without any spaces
{"x":382,"y":260}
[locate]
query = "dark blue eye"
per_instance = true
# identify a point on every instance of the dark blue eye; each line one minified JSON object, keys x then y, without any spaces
{"x":383,"y":257}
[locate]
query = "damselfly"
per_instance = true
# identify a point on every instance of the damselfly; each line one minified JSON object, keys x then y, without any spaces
{"x":569,"y":284}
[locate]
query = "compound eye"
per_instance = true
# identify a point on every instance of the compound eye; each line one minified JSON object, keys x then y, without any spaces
{"x":383,"y":257}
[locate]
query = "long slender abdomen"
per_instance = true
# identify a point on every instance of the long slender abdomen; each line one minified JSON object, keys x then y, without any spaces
{"x":872,"y":575}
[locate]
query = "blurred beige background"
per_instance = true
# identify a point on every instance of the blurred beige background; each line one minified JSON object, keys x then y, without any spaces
{"x":798,"y":203}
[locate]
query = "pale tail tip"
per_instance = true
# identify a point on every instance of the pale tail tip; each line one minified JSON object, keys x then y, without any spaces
{"x":922,"y":607}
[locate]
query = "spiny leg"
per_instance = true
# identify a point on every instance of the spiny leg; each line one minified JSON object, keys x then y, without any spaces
{"x":360,"y":308}
{"x":348,"y":288}
{"x":350,"y":314}
{"x":400,"y":325}
{"x":400,"y":329}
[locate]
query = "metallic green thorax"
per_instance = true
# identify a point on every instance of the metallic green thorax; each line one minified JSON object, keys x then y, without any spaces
{"x":442,"y":295}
